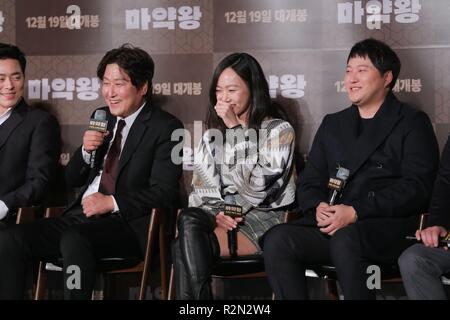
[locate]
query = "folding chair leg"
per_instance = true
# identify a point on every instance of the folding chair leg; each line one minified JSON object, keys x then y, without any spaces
{"x":163,"y":261}
{"x":171,"y":293}
{"x":41,"y":282}
{"x":332,"y":289}
{"x":144,"y":278}
{"x":154,"y":221}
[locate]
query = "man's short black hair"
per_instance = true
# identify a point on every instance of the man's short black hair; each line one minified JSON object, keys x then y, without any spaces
{"x":9,"y":51}
{"x":381,"y":56}
{"x":134,"y":61}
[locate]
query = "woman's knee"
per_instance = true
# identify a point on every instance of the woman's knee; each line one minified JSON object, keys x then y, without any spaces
{"x":196,"y":217}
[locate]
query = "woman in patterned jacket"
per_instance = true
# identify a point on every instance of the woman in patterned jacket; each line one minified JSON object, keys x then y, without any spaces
{"x":245,"y":158}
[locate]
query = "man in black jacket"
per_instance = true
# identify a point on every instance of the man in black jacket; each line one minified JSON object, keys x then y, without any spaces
{"x":29,"y":140}
{"x":391,"y":153}
{"x":422,"y":265}
{"x":132,"y":172}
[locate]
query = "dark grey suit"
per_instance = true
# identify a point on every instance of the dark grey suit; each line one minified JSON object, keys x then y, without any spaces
{"x":421,"y":267}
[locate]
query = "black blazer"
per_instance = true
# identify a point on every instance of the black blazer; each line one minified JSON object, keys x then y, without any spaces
{"x":392,"y":163}
{"x":30,"y":145}
{"x":440,"y":201}
{"x":147,"y":178}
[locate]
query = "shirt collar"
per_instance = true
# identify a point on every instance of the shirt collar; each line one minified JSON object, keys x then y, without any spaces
{"x":8,"y":111}
{"x":5,"y":116}
{"x":130,"y":119}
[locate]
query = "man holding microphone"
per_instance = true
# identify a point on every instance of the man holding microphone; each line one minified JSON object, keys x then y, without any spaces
{"x":132,"y":173}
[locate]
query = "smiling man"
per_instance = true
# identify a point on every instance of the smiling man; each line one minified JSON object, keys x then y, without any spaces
{"x":391,"y":153}
{"x":29,"y":140}
{"x":132,"y":172}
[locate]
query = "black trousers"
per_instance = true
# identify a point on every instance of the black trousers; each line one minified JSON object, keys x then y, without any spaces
{"x":290,"y":248}
{"x":79,"y":240}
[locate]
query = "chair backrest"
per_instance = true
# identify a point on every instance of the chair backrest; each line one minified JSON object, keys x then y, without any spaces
{"x":26,"y":215}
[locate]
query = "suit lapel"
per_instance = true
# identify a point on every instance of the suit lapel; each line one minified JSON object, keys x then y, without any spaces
{"x":16,"y":117}
{"x":134,"y":136}
{"x":348,"y":130}
{"x":375,"y":133}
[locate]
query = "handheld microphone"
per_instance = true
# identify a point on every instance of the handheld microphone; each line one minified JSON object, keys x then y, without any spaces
{"x":100,"y":124}
{"x":232,"y":210}
{"x":337,"y":184}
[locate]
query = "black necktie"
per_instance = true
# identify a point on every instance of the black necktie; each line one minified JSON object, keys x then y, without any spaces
{"x":108,"y":179}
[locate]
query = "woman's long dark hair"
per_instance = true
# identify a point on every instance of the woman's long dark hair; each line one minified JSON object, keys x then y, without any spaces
{"x":260,"y":103}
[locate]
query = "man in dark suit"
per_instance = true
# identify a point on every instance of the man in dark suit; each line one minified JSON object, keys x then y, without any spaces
{"x":29,"y":140}
{"x":132,"y":172}
{"x":391,"y":153}
{"x":422,"y":265}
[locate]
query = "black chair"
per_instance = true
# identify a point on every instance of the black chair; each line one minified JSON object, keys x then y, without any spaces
{"x":390,"y":273}
{"x":158,"y":225}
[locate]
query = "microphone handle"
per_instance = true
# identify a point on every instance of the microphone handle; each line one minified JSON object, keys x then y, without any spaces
{"x":332,"y":199}
{"x":92,"y":159}
{"x":232,"y":242}
{"x":231,"y":235}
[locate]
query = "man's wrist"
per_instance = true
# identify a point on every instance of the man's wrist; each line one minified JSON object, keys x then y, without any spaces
{"x":86,"y":155}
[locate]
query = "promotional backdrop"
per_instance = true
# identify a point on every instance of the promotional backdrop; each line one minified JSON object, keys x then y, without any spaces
{"x":302,"y":46}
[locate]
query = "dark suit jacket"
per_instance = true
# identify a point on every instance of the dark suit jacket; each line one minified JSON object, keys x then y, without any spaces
{"x":440,"y":201}
{"x":147,"y":178}
{"x":392,"y":168}
{"x":30,"y":145}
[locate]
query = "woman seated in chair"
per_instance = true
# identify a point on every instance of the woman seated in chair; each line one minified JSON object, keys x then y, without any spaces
{"x":245,"y":158}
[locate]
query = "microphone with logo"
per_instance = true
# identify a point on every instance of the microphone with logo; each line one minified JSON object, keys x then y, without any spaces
{"x":337,"y":184}
{"x":234,"y":211}
{"x":100,"y":124}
